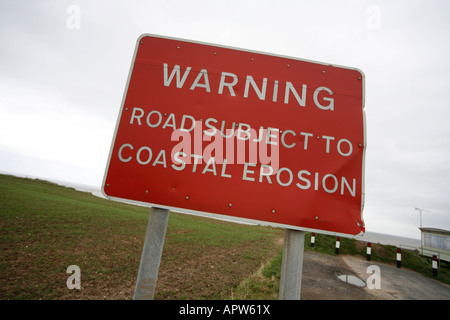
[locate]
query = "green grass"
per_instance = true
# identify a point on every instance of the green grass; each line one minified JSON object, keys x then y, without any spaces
{"x":264,"y":284}
{"x":45,"y":227}
{"x":327,"y":244}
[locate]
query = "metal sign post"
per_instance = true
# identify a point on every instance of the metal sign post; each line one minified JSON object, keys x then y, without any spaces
{"x":151,"y":254}
{"x":292,"y":265}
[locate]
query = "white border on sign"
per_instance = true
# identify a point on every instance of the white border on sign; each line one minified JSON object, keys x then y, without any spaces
{"x":222,"y":216}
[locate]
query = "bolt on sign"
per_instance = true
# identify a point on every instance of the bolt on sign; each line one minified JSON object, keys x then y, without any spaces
{"x":252,"y":136}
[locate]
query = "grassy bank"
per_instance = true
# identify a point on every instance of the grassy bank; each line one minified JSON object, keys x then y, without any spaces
{"x":45,"y":228}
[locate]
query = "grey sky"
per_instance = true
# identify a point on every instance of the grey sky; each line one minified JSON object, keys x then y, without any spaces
{"x":61,"y":88}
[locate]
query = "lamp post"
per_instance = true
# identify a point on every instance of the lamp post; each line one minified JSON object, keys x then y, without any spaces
{"x":420,"y":211}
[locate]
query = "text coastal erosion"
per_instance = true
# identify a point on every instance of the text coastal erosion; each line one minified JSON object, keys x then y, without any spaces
{"x":210,"y":145}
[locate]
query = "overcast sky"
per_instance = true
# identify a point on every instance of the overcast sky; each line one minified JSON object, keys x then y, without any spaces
{"x":64,"y":66}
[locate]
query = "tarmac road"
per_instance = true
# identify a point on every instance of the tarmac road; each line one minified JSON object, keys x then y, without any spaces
{"x":399,"y":283}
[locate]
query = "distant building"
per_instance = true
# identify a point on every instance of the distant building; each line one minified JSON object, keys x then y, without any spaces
{"x":436,"y":242}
